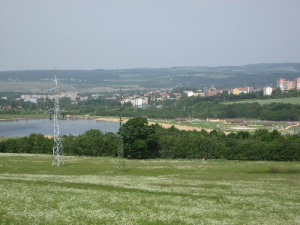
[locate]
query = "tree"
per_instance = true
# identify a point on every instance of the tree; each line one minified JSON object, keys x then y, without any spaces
{"x":140,"y":139}
{"x":277,"y":92}
{"x":111,"y":144}
{"x":91,"y":142}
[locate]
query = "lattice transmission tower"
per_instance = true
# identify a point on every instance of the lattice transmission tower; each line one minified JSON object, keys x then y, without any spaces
{"x":57,"y":147}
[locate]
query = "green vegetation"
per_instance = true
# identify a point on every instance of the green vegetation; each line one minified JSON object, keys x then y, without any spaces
{"x":140,"y":139}
{"x":144,"y":141}
{"x":22,"y":116}
{"x":203,"y":108}
{"x":218,"y":125}
{"x":292,"y":100}
{"x":194,"y":123}
{"x":92,"y":191}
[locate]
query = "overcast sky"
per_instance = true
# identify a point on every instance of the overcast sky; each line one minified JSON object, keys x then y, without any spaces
{"x":115,"y":34}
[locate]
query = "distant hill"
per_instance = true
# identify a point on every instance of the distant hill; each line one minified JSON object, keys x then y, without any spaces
{"x":257,"y":75}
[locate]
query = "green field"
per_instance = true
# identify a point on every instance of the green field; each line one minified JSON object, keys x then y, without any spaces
{"x":22,"y":116}
{"x":222,"y":126}
{"x":295,"y":100}
{"x":92,"y":191}
{"x":29,"y":87}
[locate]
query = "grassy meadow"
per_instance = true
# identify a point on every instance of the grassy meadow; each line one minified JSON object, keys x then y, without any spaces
{"x":90,"y":190}
{"x":294,"y":100}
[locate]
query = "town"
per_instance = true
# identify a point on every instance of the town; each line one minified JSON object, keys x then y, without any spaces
{"x":142,"y":98}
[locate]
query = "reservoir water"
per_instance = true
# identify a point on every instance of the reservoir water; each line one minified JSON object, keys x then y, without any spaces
{"x":19,"y":128}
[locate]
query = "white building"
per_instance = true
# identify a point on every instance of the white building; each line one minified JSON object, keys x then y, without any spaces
{"x":136,"y":101}
{"x":267,"y":90}
{"x":32,"y":100}
{"x":189,"y":93}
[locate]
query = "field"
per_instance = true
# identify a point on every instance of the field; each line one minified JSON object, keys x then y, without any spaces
{"x":92,"y":191}
{"x":10,"y":86}
{"x":252,"y":125}
{"x":295,"y":100}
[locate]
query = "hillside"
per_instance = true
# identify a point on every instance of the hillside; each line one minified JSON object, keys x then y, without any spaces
{"x":257,"y":75}
{"x":91,"y":190}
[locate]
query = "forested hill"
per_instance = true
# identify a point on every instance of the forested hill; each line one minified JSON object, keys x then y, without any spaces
{"x":257,"y":75}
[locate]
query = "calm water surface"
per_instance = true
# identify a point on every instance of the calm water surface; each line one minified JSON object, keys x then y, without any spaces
{"x":19,"y":128}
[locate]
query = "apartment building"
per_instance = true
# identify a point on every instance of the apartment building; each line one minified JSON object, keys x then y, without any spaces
{"x":286,"y":85}
{"x":136,"y":101}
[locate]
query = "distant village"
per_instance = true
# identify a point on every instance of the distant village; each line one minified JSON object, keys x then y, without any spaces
{"x":161,"y":95}
{"x":142,"y":99}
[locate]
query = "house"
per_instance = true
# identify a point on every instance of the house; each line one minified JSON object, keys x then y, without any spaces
{"x":189,"y":93}
{"x":111,"y":98}
{"x":267,"y":90}
{"x":240,"y":90}
{"x":212,"y":91}
{"x":177,"y":95}
{"x":200,"y":93}
{"x":165,"y":95}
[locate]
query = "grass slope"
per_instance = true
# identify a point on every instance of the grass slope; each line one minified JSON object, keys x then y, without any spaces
{"x":92,"y":191}
{"x":295,"y":100}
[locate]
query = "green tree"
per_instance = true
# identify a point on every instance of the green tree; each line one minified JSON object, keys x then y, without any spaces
{"x":140,"y":139}
{"x":111,"y":144}
{"x":90,"y":143}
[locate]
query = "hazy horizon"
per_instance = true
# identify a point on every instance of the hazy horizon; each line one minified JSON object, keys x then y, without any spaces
{"x":87,"y":35}
{"x":133,"y":68}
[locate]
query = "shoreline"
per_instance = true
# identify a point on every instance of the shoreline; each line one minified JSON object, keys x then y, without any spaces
{"x":112,"y":119}
{"x":117,"y":120}
{"x":164,"y":125}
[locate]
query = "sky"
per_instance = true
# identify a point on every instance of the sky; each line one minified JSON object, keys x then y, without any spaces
{"x":120,"y":34}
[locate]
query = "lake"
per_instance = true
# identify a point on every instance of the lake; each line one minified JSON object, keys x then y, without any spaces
{"x":19,"y":128}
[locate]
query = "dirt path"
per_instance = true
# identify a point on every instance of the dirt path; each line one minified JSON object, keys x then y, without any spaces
{"x":180,"y":127}
{"x":164,"y":125}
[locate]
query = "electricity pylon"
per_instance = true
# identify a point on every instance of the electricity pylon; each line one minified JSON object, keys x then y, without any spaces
{"x":57,"y":147}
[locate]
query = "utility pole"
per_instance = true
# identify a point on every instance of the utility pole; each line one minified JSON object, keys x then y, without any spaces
{"x":121,"y":147}
{"x":57,"y":147}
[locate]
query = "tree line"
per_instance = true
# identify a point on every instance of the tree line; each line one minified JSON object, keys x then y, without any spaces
{"x":143,"y":141}
{"x":193,"y":107}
